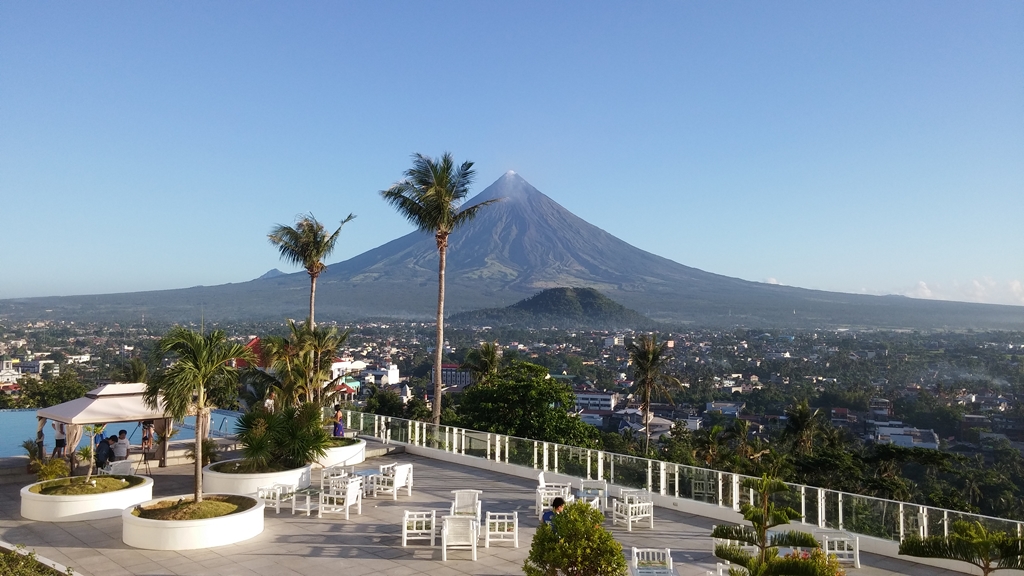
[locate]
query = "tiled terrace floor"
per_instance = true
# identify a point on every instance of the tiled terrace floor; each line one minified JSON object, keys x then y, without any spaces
{"x":366,"y":544}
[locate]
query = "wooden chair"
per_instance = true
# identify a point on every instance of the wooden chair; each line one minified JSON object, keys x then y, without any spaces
{"x":331,"y":473}
{"x":541,"y":483}
{"x":467,"y":503}
{"x":398,"y":477}
{"x":501,"y":527}
{"x":598,"y":488}
{"x":631,"y":510}
{"x":845,"y":546}
{"x":459,"y":532}
{"x":419,"y":526}
{"x":545,"y":495}
{"x":652,"y":562}
{"x":342,"y":498}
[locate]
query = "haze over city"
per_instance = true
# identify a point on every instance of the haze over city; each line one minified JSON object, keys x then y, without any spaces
{"x":859,"y":148}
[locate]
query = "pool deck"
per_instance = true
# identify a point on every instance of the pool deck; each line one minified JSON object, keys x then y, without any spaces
{"x":367,"y":544}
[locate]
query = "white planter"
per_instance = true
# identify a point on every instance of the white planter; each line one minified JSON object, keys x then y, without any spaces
{"x":344,"y":455}
{"x":246,"y":484}
{"x":73,"y":508}
{"x":190,"y":534}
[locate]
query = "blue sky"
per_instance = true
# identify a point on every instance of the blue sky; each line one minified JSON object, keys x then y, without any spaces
{"x":858,"y":147}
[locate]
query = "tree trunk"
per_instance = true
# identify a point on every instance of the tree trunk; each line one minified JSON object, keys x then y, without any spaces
{"x":441,"y":252}
{"x":200,"y":424}
{"x":312,"y":298}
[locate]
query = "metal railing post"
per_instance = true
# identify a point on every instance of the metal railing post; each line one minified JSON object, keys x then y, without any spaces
{"x":840,"y":494}
{"x":901,"y":521}
{"x":736,"y":492}
{"x":535,"y":454}
{"x":821,"y":507}
{"x":720,"y":491}
{"x":545,"y":448}
{"x":489,"y":447}
{"x":650,"y":479}
{"x":600,"y":465}
{"x":803,"y":504}
{"x":662,"y":477}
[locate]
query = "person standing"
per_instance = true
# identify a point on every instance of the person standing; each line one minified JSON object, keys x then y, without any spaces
{"x":339,"y":428}
{"x":121,"y":447}
{"x":269,"y":403}
{"x":60,"y":439}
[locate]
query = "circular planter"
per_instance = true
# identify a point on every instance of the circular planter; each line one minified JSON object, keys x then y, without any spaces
{"x":344,"y":455}
{"x":73,"y":508}
{"x":190,"y":534}
{"x":246,"y":484}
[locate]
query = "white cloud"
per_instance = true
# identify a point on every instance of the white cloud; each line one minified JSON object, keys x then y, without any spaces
{"x":983,"y":290}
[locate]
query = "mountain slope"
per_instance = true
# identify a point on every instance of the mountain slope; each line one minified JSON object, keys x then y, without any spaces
{"x":523,"y":244}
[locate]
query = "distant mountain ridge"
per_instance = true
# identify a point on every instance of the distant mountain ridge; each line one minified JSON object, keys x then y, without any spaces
{"x":525,"y":243}
{"x":567,"y":308}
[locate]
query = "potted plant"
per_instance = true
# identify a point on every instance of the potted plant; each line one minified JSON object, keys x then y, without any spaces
{"x":760,"y":535}
{"x":201,"y":371}
{"x":277,"y":447}
{"x":575,"y":544}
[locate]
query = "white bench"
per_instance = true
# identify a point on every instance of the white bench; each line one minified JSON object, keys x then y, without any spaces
{"x":419,"y":526}
{"x":342,"y":498}
{"x":501,"y":527}
{"x":393,"y":480}
{"x":459,"y":532}
{"x":652,"y":562}
{"x":275,"y":495}
{"x":632,"y":509}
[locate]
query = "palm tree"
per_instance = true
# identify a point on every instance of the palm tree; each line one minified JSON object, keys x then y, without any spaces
{"x":803,"y":426}
{"x":482,"y":363}
{"x":430,"y":197}
{"x":649,"y":362}
{"x":970,"y":542}
{"x":135,"y":370}
{"x":202,"y":365}
{"x":307,"y":244}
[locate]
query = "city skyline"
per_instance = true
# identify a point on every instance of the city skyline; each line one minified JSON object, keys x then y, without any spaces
{"x":857,"y":148}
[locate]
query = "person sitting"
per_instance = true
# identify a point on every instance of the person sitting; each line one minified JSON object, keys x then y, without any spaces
{"x":121,"y":445}
{"x":105,"y":452}
{"x":557,"y":505}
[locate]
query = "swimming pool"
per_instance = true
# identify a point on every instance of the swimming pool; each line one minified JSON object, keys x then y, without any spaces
{"x":16,"y":426}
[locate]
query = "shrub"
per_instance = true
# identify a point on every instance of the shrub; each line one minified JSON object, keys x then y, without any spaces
{"x":575,"y":544}
{"x":21,"y":563}
{"x":52,"y":469}
{"x":289,"y":438}
{"x":211,"y":451}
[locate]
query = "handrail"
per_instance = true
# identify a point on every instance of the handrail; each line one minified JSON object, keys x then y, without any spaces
{"x":823,"y":507}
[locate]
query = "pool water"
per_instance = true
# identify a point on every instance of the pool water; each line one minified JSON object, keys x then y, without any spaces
{"x":16,"y":426}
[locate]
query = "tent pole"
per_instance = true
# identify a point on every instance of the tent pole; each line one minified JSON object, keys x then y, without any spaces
{"x":163,"y":445}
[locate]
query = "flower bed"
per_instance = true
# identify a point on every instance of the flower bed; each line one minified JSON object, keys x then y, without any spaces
{"x":38,"y":505}
{"x":227,"y":478}
{"x":351,"y":451}
{"x":150,"y":534}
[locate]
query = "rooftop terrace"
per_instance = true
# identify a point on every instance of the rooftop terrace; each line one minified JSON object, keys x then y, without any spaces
{"x":369,"y":543}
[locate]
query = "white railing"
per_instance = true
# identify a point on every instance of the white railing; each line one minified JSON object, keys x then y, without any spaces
{"x":821,"y":507}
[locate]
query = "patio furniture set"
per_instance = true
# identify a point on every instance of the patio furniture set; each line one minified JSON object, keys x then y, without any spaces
{"x":340,"y":490}
{"x":631,"y":507}
{"x":463,"y":527}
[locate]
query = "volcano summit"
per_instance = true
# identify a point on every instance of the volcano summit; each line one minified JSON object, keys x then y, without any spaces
{"x":512,"y":250}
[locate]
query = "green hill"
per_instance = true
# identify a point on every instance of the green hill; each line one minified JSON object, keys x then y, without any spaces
{"x":560,"y":307}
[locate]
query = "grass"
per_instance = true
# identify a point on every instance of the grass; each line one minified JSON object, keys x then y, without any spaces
{"x":240,"y":467}
{"x":186,"y":509}
{"x":77,"y":486}
{"x":339,"y":442}
{"x":14,"y":564}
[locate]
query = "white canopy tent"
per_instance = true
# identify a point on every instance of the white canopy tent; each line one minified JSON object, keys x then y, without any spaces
{"x":108,"y":403}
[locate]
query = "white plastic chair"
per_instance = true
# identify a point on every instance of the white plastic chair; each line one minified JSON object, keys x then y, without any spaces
{"x":631,"y":510}
{"x":501,"y":527}
{"x":459,"y":532}
{"x":342,"y":498}
{"x":398,"y":477}
{"x":419,"y":526}
{"x":467,"y":503}
{"x":652,"y":562}
{"x":541,"y":483}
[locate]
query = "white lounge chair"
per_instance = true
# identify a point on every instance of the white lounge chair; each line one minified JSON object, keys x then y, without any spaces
{"x":419,"y":526}
{"x":501,"y":527}
{"x":398,"y":477}
{"x":467,"y":503}
{"x":342,"y":498}
{"x":459,"y":532}
{"x":652,"y":562}
{"x":632,"y":509}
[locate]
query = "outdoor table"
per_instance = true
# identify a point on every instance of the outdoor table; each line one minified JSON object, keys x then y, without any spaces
{"x":367,"y":476}
{"x":306,"y":500}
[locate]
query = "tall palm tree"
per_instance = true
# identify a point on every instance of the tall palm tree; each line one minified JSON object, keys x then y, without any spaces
{"x":803,"y":426}
{"x":135,"y":370}
{"x":307,"y":244}
{"x":202,"y":367}
{"x":431,"y":197}
{"x":482,"y":362}
{"x":649,"y":363}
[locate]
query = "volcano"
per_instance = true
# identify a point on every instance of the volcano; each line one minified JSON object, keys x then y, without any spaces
{"x":515,"y":248}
